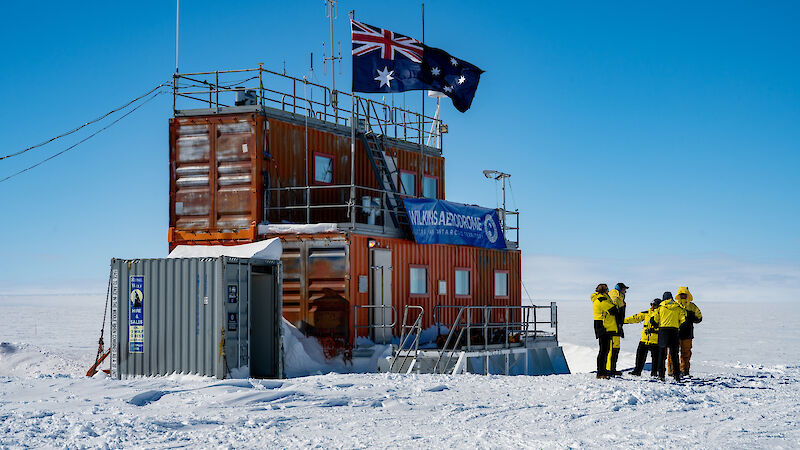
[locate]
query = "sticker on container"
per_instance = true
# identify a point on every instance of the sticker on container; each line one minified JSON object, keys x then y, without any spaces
{"x":244,"y":148}
{"x":233,"y":293}
{"x":232,"y":322}
{"x":136,"y":307}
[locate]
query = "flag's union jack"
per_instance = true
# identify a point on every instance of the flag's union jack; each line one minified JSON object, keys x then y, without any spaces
{"x":367,"y":38}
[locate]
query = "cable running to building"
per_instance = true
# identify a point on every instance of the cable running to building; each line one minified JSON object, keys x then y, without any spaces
{"x":86,"y":124}
{"x":87,"y":137}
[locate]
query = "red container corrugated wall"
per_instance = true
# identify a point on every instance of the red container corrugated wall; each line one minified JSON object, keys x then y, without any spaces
{"x":441,"y":261}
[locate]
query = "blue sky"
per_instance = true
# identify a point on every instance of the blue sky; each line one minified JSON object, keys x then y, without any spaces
{"x":637,"y":135}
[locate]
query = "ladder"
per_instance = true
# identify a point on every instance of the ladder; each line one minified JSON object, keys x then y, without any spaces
{"x":414,"y":331}
{"x":385,"y":174}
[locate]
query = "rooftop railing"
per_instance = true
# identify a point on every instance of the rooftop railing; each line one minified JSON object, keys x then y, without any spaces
{"x":259,"y":86}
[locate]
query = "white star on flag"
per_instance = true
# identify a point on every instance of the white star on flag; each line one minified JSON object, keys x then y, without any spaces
{"x":448,"y":89}
{"x":461,"y":79}
{"x":385,"y":77}
{"x":436,"y":71}
{"x":453,"y":61}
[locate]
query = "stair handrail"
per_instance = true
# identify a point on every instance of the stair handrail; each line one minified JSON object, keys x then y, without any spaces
{"x":416,"y":326}
{"x":456,"y":324}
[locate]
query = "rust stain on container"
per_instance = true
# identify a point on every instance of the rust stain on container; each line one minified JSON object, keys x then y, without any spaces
{"x":221,"y":166}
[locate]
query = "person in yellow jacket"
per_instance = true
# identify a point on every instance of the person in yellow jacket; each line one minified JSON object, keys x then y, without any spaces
{"x":686,"y":331}
{"x":618,"y":298}
{"x":649,"y":342}
{"x":605,"y":325}
{"x":668,"y":318}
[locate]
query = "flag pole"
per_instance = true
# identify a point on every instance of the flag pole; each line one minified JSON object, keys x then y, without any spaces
{"x":422,"y":122}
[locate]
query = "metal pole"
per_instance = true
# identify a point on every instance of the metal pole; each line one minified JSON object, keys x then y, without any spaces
{"x":353,"y":161}
{"x":177,"y":24}
{"x":504,"y":206}
{"x":331,"y":6}
{"x":422,"y":123}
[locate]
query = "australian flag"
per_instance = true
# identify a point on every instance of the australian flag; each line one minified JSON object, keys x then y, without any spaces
{"x":384,"y":61}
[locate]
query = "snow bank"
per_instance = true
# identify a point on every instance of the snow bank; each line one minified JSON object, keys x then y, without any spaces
{"x":267,"y":249}
{"x":303,"y":356}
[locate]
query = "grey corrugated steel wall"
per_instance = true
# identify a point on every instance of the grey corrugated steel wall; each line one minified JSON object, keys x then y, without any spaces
{"x":185,"y":316}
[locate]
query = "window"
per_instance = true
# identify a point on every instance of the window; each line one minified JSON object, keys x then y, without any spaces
{"x":430,"y":187}
{"x":462,"y":282}
{"x":418,"y":279}
{"x":323,"y":168}
{"x":408,"y":183}
{"x":501,"y":283}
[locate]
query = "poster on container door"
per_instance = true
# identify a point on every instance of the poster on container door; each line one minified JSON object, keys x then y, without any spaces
{"x":136,"y":325}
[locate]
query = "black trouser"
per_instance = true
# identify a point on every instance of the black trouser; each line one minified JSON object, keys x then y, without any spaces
{"x":602,"y":355}
{"x":641,"y":357}
{"x":668,"y":341}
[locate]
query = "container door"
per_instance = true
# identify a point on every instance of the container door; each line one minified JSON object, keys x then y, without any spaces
{"x":264,"y":323}
{"x":381,"y":294}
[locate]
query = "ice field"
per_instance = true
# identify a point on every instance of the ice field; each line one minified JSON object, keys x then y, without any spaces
{"x":746,"y":394}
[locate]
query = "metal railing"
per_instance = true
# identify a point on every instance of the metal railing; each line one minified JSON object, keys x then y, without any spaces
{"x":519,"y":323}
{"x":294,"y":204}
{"x":218,"y":89}
{"x":370,"y":324}
{"x":413,"y":330}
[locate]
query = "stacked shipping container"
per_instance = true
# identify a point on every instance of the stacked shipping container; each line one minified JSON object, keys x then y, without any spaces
{"x":224,"y":172}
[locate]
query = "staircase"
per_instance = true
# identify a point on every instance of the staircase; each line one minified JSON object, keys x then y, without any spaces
{"x":385,"y":175}
{"x":406,"y":358}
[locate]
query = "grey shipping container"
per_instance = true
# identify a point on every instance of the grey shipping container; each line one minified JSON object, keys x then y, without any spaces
{"x":217,"y":317}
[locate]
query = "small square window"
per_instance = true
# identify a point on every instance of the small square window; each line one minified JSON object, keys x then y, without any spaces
{"x":462,"y":282}
{"x":408,"y":183}
{"x":501,"y":284}
{"x":430,"y":187}
{"x":323,"y":168}
{"x":418,"y":280}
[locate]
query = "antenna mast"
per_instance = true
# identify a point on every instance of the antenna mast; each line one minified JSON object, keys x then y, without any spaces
{"x":331,"y":14}
{"x":177,"y":27}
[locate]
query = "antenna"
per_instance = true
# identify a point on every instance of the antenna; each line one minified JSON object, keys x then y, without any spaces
{"x":497,"y":175}
{"x":177,"y":27}
{"x":331,"y":14}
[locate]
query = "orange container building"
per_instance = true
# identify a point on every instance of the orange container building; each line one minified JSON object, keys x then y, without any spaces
{"x":327,"y":177}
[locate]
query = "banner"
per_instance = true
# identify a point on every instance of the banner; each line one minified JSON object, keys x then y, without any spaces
{"x":136,"y":324}
{"x":441,"y":222}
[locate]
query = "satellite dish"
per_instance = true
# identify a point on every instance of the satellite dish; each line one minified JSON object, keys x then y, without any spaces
{"x":436,"y":94}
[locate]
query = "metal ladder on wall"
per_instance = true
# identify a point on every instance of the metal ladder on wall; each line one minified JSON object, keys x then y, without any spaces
{"x":376,"y":153}
{"x":412,"y":352}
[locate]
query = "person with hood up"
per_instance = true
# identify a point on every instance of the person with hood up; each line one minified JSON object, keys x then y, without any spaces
{"x":668,"y":317}
{"x":605,"y":325}
{"x":649,"y":341}
{"x":618,"y":298}
{"x":686,"y":332}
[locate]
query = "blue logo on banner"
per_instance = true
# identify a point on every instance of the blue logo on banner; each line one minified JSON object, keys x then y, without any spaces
{"x":441,"y":222}
{"x":136,"y":324}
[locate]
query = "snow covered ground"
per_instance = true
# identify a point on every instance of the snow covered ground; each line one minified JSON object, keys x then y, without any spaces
{"x":747,"y":356}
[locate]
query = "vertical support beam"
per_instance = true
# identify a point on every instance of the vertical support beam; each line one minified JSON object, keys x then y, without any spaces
{"x":353,"y":163}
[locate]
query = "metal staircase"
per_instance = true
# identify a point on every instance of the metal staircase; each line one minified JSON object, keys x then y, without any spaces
{"x":406,"y":358}
{"x":385,"y":175}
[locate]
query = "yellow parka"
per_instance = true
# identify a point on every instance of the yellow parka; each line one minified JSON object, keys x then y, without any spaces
{"x":602,"y":310}
{"x":693,"y":314}
{"x":649,"y":332}
{"x":669,"y":314}
{"x":619,"y":301}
